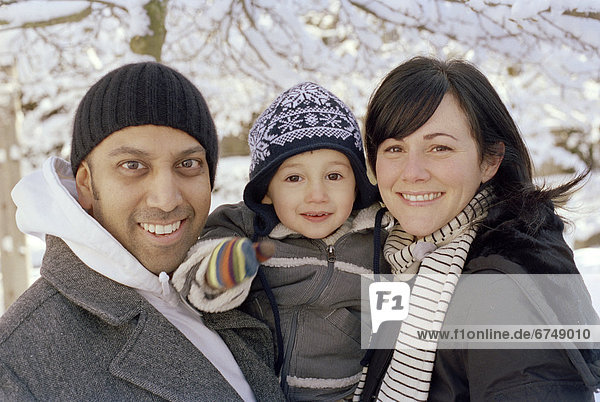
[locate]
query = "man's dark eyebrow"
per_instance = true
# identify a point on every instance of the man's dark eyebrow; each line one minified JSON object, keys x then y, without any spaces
{"x":194,"y":150}
{"x":433,"y":135}
{"x":127,"y":150}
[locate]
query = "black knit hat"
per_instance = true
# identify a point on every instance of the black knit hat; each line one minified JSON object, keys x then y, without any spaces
{"x":139,"y":94}
{"x":303,"y":118}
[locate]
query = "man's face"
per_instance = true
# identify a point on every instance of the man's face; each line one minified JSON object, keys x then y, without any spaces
{"x":149,"y":186}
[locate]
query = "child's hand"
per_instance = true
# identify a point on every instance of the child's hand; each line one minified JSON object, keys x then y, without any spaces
{"x":234,"y":260}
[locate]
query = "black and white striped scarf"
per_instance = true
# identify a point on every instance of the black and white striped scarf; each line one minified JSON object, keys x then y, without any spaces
{"x":439,"y":259}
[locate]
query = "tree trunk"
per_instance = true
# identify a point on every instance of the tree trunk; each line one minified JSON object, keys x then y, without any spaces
{"x":152,"y":44}
{"x":14,"y":259}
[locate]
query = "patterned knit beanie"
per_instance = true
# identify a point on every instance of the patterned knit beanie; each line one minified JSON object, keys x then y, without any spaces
{"x":140,"y":94}
{"x":303,"y":118}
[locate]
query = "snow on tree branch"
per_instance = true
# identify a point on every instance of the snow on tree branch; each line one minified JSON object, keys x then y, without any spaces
{"x":542,"y":55}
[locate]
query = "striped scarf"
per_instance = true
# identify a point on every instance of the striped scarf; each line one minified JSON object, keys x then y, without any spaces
{"x":438,"y":258}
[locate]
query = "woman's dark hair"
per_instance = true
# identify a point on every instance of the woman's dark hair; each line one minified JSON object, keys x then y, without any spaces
{"x":409,"y":95}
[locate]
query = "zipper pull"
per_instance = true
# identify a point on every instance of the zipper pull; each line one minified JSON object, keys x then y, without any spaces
{"x":330,"y":254}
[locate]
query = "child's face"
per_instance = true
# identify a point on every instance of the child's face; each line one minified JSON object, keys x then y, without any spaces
{"x":313,"y":192}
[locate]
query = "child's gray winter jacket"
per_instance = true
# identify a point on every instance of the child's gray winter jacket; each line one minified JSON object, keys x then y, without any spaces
{"x":317,"y":287}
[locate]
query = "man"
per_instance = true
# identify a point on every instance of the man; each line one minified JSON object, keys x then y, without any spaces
{"x":103,"y":322}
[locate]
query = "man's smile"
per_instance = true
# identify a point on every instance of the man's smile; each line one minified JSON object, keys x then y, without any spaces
{"x":159,"y":229}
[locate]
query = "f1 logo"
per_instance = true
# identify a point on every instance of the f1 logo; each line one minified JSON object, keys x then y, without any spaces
{"x":388,"y":302}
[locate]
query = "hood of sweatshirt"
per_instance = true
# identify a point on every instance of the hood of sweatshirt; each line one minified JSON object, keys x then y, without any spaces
{"x":47,"y":203}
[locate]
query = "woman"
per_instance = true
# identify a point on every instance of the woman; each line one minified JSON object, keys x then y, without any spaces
{"x":454,"y":172}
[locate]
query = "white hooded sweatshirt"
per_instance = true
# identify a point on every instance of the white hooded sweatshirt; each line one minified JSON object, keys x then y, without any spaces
{"x":47,"y":203}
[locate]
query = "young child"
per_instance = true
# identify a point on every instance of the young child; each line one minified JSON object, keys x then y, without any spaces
{"x":310,"y":196}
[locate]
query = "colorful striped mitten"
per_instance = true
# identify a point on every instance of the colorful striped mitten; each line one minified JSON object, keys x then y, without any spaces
{"x":234,"y":260}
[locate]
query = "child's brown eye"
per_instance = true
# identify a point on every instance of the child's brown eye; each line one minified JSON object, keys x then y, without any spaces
{"x":293,"y":178}
{"x":334,"y":176}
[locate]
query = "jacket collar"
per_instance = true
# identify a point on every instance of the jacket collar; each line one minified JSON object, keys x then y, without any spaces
{"x":109,"y":300}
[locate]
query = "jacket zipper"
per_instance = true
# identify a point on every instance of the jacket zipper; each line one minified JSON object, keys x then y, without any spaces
{"x":328,"y":275}
{"x":294,"y":324}
{"x":330,"y":254}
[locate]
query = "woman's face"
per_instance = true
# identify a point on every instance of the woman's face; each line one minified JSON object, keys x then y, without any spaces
{"x":428,"y":177}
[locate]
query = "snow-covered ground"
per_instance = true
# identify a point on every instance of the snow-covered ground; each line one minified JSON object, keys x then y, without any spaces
{"x":588,"y":262}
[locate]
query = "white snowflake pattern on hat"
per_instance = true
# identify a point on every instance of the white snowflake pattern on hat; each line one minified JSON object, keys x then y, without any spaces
{"x":309,"y":92}
{"x":304,"y":111}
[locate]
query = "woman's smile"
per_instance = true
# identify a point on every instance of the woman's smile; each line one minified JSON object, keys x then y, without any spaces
{"x":420,"y":197}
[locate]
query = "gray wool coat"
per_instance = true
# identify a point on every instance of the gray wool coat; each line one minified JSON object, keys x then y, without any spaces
{"x":77,"y":335}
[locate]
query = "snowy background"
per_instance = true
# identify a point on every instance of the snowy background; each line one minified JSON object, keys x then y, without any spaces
{"x":543,"y":57}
